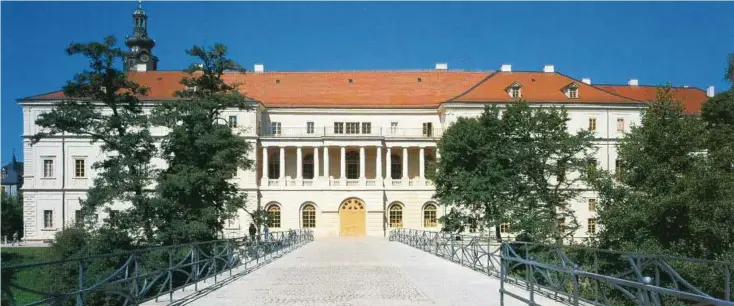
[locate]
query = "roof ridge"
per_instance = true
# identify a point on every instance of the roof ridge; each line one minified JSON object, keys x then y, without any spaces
{"x":648,"y":85}
{"x":597,"y":88}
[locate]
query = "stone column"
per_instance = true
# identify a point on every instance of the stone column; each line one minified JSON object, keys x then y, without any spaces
{"x":316,"y":163}
{"x":361,"y":163}
{"x":326,"y":162}
{"x":265,"y":166}
{"x":343,"y":163}
{"x":388,"y":163}
{"x":282,"y":163}
{"x":421,"y":166}
{"x":378,"y":163}
{"x":299,"y":163}
{"x":405,"y":163}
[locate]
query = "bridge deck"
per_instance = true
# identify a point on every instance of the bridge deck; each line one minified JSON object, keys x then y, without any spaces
{"x":359,"y":271}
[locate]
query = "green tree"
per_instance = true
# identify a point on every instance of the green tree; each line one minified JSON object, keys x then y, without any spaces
{"x":547,"y":165}
{"x":673,"y":196}
{"x":102,"y":103}
{"x":12,"y":216}
{"x":504,"y":165}
{"x":196,"y":194}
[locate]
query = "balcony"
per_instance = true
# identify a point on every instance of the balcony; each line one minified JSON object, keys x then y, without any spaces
{"x":386,"y":132}
{"x":331,"y":182}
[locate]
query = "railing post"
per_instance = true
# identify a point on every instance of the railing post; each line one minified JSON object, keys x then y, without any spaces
{"x":576,"y":289}
{"x":80,"y":296}
{"x":531,"y":280}
{"x":503,"y":273}
{"x":727,"y":282}
{"x":170,"y":274}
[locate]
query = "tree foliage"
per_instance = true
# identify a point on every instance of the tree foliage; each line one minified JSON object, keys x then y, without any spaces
{"x":676,"y":184}
{"x":196,"y":194}
{"x":12,"y":216}
{"x":102,"y":103}
{"x":504,"y":165}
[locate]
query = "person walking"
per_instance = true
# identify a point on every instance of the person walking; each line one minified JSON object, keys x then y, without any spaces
{"x":253,"y":231}
{"x":15,"y":239}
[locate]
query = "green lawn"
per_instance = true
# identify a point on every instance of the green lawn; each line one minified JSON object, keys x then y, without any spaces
{"x":32,"y":277}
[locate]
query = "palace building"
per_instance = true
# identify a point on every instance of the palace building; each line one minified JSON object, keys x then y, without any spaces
{"x":340,"y":152}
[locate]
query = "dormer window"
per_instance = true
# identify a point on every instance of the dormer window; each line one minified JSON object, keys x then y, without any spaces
{"x":572,"y":91}
{"x":515,"y":90}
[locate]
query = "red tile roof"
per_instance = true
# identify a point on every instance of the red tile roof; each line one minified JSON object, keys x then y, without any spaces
{"x":537,"y":87}
{"x":409,"y":89}
{"x":692,"y":98}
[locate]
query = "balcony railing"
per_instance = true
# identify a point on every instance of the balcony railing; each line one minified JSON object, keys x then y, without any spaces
{"x":289,"y":182}
{"x":329,"y":131}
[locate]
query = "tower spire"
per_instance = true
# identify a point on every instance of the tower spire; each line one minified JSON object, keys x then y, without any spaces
{"x":140,"y":57}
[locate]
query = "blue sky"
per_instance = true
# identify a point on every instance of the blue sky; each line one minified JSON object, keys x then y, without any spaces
{"x":682,"y":43}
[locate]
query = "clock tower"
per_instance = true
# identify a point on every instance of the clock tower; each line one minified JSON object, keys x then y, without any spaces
{"x":140,"y":57}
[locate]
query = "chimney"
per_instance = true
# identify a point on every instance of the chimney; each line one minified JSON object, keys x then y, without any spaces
{"x":442,"y":66}
{"x":259,"y":68}
{"x":586,"y":80}
{"x":506,"y":68}
{"x":710,"y":91}
{"x":549,"y":68}
{"x":632,"y":82}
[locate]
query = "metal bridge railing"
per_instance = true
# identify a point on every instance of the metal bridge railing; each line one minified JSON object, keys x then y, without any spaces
{"x":131,"y":278}
{"x":581,"y":275}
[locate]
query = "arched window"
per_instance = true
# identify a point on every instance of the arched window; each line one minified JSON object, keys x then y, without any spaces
{"x":396,"y":167}
{"x":429,"y":215}
{"x":352,"y":160}
{"x":308,"y":216}
{"x":274,"y":166}
{"x":308,"y":167}
{"x":273,"y":216}
{"x":396,"y":215}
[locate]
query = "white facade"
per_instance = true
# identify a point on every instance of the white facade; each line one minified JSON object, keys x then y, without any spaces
{"x":288,"y":136}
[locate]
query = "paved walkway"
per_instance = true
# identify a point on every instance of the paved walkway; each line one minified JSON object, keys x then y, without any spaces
{"x":359,"y":271}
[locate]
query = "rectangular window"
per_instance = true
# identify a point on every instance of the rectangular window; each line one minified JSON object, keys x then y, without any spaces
{"x":573,"y":93}
{"x":617,"y":170}
{"x":309,"y":127}
{"x":366,"y":128}
{"x":274,"y":170}
{"x":352,"y":127}
{"x":515,"y":93}
{"x":591,"y":225}
{"x":338,"y":127}
{"x":233,"y":121}
{"x":473,"y":226}
{"x":48,"y":218}
{"x":561,"y":224}
{"x":48,"y":168}
{"x":79,"y":168}
{"x":592,"y":205}
{"x":78,"y":219}
{"x":428,"y":129}
{"x":505,"y":227}
{"x":275,"y":128}
{"x":592,"y":124}
{"x":393,"y":127}
{"x":620,"y":124}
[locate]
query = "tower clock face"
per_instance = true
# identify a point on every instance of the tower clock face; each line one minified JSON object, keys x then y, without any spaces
{"x":144,"y":58}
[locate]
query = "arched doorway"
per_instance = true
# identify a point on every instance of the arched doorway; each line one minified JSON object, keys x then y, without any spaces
{"x":352,"y":216}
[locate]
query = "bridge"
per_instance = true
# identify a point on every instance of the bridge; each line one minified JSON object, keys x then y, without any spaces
{"x":410,"y":268}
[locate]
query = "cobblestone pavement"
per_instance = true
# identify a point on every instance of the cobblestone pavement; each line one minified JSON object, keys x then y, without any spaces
{"x":359,"y":271}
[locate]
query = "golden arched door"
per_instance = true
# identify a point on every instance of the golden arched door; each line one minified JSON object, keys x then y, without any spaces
{"x":352,"y":216}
